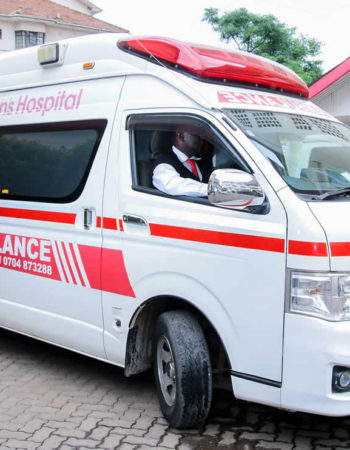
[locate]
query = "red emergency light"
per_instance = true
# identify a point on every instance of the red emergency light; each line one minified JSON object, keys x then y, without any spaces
{"x":216,"y":64}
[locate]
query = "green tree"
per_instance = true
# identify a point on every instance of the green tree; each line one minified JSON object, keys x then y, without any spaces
{"x":266,"y":36}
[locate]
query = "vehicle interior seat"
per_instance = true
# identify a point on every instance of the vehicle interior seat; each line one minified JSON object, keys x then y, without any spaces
{"x":159,"y":142}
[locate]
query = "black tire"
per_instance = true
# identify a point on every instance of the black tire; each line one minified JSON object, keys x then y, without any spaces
{"x":182,"y":369}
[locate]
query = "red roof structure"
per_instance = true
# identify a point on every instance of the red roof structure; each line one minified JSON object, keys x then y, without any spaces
{"x":329,"y":78}
{"x":49,"y":11}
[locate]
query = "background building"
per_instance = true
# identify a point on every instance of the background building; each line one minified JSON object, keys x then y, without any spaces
{"x":332,"y":91}
{"x":24,"y":23}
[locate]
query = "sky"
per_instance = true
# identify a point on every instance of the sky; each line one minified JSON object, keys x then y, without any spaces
{"x":327,"y":21}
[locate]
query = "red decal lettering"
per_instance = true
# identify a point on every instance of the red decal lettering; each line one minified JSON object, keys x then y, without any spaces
{"x":225,"y":97}
{"x":28,"y":255}
{"x":74,"y":264}
{"x":246,"y":98}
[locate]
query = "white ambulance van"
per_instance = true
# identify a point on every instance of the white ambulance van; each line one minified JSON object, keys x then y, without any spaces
{"x":251,"y":282}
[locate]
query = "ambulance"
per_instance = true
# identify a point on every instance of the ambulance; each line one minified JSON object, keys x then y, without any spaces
{"x":248,"y":285}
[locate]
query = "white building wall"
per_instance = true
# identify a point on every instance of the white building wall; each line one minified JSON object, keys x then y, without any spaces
{"x":7,"y":42}
{"x":29,"y":25}
{"x":52,"y":33}
{"x":336,"y":99}
{"x":337,"y":102}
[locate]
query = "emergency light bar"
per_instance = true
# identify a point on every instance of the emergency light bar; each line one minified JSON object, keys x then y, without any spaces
{"x":216,"y":64}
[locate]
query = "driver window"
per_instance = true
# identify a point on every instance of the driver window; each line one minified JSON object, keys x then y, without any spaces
{"x":162,"y":146}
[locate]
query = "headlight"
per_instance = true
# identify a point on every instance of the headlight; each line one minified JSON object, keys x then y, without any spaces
{"x":324,"y":295}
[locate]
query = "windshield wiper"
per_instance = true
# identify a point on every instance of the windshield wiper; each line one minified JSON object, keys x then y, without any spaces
{"x":344,"y":192}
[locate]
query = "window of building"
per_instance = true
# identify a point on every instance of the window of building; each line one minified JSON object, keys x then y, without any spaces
{"x":49,"y":162}
{"x":29,"y":38}
{"x":0,"y":33}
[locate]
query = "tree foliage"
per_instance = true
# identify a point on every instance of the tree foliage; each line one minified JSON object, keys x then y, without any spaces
{"x":266,"y":36}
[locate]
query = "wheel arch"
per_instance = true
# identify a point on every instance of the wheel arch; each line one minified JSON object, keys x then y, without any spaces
{"x":139,"y":341}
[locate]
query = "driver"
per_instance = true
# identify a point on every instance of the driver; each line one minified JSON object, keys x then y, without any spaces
{"x":183,"y":171}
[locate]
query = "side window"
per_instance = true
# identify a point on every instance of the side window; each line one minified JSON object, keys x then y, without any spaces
{"x":29,"y":38}
{"x":47,"y":162}
{"x":153,"y":139}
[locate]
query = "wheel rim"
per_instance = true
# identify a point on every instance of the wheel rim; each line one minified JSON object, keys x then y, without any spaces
{"x":166,"y":370}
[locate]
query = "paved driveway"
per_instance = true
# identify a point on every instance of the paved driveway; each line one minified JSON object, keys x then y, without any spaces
{"x":51,"y":398}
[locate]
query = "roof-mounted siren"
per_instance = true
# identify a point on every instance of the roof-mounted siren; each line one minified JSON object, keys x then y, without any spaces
{"x":52,"y":55}
{"x":216,"y":64}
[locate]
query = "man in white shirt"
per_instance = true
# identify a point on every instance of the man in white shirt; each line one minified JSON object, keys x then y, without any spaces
{"x":182,"y":171}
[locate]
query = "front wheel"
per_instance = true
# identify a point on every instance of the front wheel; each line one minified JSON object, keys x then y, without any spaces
{"x":182,"y":369}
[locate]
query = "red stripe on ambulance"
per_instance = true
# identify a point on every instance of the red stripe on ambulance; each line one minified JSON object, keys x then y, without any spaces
{"x":219,"y":238}
{"x":307,"y":248}
{"x":45,"y":216}
{"x":76,"y":264}
{"x":270,"y":244}
{"x":110,"y":223}
{"x":70,"y":270}
{"x":114,"y":275}
{"x":91,"y":257}
{"x":58,"y":262}
{"x":340,"y":248}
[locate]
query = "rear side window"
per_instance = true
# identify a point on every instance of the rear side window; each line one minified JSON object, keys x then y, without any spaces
{"x":47,"y":162}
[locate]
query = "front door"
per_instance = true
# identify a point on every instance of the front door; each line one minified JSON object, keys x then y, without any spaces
{"x":228,"y":264}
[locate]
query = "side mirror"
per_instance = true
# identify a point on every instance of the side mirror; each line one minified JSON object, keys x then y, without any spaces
{"x":233,"y":188}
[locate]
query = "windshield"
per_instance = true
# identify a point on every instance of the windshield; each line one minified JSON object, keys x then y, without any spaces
{"x":311,"y":154}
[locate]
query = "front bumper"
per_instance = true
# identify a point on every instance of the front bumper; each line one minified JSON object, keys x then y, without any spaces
{"x":312,"y":347}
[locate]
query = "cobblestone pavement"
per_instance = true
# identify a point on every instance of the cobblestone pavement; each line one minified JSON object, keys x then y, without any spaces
{"x":51,"y":398}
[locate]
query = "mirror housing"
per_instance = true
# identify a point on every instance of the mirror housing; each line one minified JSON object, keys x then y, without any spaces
{"x":235,"y":189}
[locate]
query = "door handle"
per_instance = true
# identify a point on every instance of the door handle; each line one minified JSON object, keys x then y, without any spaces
{"x":127,"y":218}
{"x":88,"y":218}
